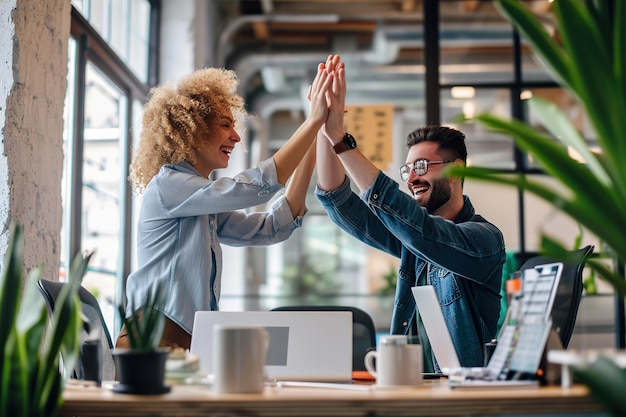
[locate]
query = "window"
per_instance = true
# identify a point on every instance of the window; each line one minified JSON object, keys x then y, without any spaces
{"x":125,"y":26}
{"x":99,"y":121}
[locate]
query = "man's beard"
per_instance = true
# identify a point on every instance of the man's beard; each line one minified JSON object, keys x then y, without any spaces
{"x":440,"y":194}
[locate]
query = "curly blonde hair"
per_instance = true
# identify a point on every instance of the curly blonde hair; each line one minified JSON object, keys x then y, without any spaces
{"x":178,"y":117}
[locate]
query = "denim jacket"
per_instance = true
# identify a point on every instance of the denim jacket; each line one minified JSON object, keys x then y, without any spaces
{"x":461,"y":259}
{"x":184,"y":218}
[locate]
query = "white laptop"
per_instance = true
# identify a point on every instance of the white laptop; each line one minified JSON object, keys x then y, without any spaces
{"x":516,"y":355}
{"x":304,"y":345}
{"x":436,"y":328}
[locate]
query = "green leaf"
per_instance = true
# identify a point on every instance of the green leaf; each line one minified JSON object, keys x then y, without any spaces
{"x":145,"y":325}
{"x":606,"y":381}
{"x":5,"y":378}
{"x":586,"y":212}
{"x":64,"y":330}
{"x":18,"y":382}
{"x":592,"y":64}
{"x":599,"y":11}
{"x":532,"y":30}
{"x":9,"y":296}
{"x":555,"y":160}
{"x":609,"y":275}
{"x":586,"y":66}
{"x":619,"y":65}
{"x":583,"y":39}
{"x":52,"y":383}
{"x":554,"y":249}
{"x":11,"y":284}
{"x":619,"y":45}
{"x":596,"y":83}
{"x":30,"y":382}
{"x":32,"y":317}
{"x":560,"y":127}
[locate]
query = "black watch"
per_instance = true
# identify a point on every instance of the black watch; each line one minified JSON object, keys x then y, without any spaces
{"x":348,"y":142}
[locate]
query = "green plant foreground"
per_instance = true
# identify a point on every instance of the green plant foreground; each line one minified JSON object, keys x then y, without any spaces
{"x":145,"y":325}
{"x":31,"y":383}
{"x":587,"y":56}
{"x":589,"y":61}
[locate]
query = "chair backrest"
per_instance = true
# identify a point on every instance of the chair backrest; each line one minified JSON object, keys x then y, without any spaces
{"x":569,"y":291}
{"x":91,"y":310}
{"x":363,"y":330}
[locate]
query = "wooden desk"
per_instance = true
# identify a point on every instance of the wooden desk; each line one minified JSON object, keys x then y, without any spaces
{"x":430,"y":399}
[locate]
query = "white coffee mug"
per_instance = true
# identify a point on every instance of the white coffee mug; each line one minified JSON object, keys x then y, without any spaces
{"x":397,"y":363}
{"x":239,"y":358}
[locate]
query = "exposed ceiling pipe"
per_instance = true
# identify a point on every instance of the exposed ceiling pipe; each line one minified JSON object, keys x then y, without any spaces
{"x":260,"y":125}
{"x":251,"y":64}
{"x":273,"y":66}
{"x":233,"y":26}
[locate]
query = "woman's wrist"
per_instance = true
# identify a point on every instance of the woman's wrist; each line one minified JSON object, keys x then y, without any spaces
{"x":334,"y":136}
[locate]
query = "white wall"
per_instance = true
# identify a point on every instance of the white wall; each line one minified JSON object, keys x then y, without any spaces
{"x":34,"y":38}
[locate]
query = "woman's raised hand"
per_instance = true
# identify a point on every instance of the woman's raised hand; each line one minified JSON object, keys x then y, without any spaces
{"x":319,"y":92}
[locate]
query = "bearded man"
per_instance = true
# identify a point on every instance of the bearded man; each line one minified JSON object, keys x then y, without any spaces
{"x":433,"y":229}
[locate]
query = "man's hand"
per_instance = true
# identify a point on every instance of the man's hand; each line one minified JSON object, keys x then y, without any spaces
{"x":333,"y":128}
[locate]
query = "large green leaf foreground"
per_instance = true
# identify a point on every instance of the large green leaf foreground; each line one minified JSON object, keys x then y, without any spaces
{"x":31,"y":383}
{"x":589,"y":60}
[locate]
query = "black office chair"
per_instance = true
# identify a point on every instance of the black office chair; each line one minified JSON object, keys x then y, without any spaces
{"x":569,"y":290}
{"x":363,"y":330}
{"x":91,"y":310}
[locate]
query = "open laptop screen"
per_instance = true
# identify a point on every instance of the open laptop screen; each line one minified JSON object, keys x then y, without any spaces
{"x":304,"y":345}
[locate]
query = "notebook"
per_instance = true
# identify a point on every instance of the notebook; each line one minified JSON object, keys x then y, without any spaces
{"x":516,"y":353}
{"x":304,"y":345}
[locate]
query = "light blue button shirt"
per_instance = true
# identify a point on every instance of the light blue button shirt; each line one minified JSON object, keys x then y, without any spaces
{"x":184,"y":217}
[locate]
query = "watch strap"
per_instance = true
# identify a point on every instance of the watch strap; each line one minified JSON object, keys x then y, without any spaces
{"x":347,"y":142}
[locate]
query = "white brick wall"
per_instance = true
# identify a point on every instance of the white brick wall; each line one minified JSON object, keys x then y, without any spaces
{"x":33,"y":53}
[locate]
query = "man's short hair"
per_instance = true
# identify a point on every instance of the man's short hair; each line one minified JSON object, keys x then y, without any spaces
{"x":450,"y":140}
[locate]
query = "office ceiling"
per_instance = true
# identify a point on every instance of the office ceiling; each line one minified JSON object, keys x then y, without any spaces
{"x":275,"y":45}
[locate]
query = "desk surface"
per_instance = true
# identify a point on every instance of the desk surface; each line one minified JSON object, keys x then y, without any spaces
{"x":430,"y":399}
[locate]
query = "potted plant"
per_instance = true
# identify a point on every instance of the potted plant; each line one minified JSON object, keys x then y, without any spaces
{"x":587,"y":55}
{"x":141,"y":367}
{"x":31,"y":384}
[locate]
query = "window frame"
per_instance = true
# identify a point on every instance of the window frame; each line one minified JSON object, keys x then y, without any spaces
{"x":92,"y":48}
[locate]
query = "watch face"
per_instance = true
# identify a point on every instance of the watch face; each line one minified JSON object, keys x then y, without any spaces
{"x":349,"y":140}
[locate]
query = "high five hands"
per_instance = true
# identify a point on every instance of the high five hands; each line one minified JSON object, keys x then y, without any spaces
{"x":333,"y":71}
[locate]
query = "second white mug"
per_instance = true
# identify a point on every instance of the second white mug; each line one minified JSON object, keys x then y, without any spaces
{"x":397,"y":363}
{"x":239,"y":354}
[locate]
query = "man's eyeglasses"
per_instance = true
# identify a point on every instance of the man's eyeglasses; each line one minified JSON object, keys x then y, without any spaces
{"x":420,"y":167}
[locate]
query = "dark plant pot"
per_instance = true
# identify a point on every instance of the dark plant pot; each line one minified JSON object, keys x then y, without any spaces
{"x":140,"y":372}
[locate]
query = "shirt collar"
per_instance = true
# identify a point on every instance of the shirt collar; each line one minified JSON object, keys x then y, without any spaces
{"x":467,"y":212}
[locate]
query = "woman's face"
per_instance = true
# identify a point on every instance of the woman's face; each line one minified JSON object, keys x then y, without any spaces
{"x":214,"y":152}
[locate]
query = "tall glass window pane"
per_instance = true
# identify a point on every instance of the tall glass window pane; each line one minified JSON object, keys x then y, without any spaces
{"x":125,"y":26}
{"x":533,"y":70}
{"x":120,"y":21}
{"x":138,"y":106}
{"x":98,"y":16}
{"x":80,"y":6}
{"x":68,"y":134}
{"x":104,"y":139}
{"x":485,"y":148}
{"x":139,"y":38}
{"x":475,"y":43}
